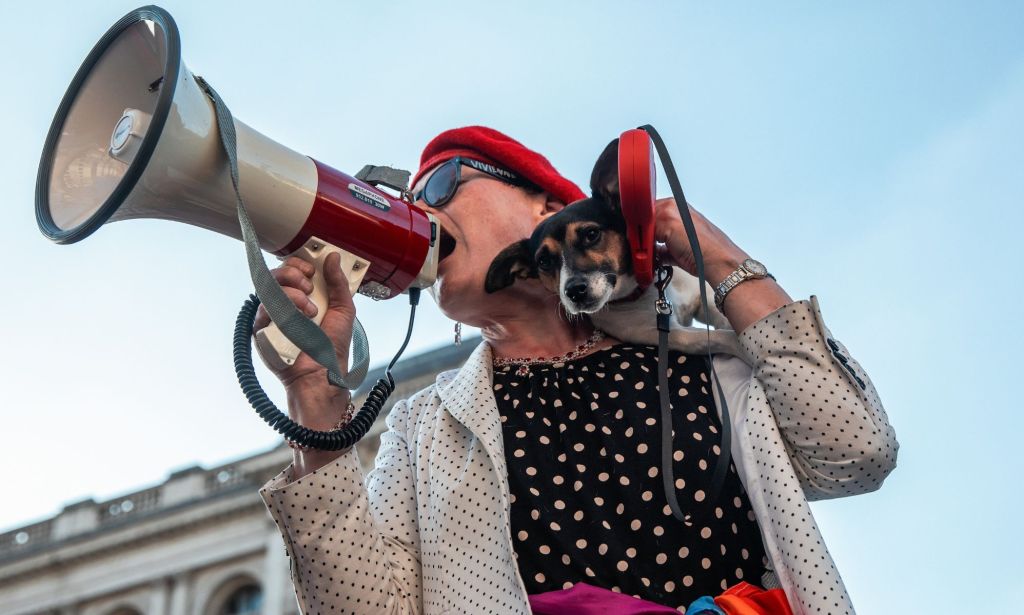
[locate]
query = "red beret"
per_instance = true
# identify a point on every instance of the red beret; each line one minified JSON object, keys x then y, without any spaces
{"x":489,"y":145}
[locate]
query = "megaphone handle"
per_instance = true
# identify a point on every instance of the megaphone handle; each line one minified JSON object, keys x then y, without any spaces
{"x":276,"y":350}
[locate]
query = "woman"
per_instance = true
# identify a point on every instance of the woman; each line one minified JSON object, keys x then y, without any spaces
{"x":526,"y":472}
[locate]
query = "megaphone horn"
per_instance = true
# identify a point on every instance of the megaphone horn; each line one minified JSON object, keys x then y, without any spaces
{"x":136,"y":137}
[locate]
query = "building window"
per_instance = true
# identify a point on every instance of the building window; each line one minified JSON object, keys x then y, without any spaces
{"x":246,"y":600}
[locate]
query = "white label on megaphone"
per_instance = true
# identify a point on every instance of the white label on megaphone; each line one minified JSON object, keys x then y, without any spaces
{"x":369,"y":197}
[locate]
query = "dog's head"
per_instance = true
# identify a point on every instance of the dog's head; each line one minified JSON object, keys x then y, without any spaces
{"x":581,"y":252}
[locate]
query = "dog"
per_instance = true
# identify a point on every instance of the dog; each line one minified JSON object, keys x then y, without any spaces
{"x":582,"y":254}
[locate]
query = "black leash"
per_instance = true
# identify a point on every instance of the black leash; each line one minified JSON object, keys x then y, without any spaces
{"x":664,"y":309}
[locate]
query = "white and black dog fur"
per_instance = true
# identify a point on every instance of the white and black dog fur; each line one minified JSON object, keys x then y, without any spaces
{"x":583,"y":255}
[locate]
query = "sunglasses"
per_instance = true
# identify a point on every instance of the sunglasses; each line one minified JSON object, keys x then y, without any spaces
{"x":443,"y":183}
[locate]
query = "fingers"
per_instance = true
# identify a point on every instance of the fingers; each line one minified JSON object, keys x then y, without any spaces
{"x":338,"y":295}
{"x":294,"y":276}
{"x":306,"y":267}
{"x":670,"y":234}
{"x":670,"y":203}
{"x":295,"y":273}
{"x":668,"y":220}
{"x":298,"y":297}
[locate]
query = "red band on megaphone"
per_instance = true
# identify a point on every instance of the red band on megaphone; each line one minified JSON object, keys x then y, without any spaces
{"x":393,"y":235}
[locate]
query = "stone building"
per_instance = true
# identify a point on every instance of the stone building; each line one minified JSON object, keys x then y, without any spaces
{"x":200,"y":543}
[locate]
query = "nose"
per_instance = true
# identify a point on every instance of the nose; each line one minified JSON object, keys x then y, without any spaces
{"x":576,"y":290}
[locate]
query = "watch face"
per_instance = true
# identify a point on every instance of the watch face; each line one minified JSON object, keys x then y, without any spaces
{"x":755,"y":267}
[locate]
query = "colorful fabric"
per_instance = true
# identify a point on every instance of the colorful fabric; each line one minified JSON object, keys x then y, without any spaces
{"x":746,"y":599}
{"x":705,"y":605}
{"x":583,"y":599}
{"x":490,"y":146}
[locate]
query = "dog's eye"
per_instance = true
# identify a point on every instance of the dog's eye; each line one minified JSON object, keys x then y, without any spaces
{"x":591,"y":236}
{"x":545,"y":262}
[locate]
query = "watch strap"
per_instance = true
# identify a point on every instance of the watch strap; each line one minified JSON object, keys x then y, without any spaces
{"x":734,"y":279}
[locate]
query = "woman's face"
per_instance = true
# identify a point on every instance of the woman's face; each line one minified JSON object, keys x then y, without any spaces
{"x":483,"y":217}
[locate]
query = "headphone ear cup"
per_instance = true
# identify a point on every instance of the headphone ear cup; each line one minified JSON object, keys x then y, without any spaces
{"x":637,"y":187}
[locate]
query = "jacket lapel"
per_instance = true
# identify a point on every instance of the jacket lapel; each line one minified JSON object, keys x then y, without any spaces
{"x":469,"y":398}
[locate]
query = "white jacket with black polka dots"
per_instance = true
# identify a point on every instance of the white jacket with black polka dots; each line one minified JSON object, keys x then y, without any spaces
{"x":427,"y":530}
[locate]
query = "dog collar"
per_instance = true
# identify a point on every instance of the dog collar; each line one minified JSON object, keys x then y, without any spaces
{"x":633,"y":296}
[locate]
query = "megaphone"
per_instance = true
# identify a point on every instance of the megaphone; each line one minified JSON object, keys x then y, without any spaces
{"x":135,"y":136}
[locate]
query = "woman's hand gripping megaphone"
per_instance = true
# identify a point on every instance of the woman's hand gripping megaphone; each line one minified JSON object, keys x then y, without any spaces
{"x":280,"y":352}
{"x":298,"y":279}
{"x":313,"y":402}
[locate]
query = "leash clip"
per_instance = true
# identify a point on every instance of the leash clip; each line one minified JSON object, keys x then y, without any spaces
{"x":662,"y":276}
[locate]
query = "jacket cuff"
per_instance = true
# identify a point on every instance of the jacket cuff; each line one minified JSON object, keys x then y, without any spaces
{"x":787,"y":328}
{"x":296,"y":505}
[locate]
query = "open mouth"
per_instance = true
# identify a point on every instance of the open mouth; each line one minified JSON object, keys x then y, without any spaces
{"x":446,"y":245}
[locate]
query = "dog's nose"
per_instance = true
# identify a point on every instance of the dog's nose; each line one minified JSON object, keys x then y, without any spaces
{"x":576,"y":290}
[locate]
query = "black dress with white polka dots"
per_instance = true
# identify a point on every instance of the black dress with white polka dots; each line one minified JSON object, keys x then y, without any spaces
{"x":583,"y":443}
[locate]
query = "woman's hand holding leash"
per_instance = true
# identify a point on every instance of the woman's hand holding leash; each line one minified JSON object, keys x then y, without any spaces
{"x":312,"y":401}
{"x":748,"y":302}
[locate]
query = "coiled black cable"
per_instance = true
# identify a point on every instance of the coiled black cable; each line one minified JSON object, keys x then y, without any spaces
{"x":292,"y":431}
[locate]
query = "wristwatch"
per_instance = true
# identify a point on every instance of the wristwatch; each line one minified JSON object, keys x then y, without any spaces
{"x":748,"y":270}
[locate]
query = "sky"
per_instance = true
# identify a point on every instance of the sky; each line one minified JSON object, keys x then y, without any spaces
{"x":868,"y":153}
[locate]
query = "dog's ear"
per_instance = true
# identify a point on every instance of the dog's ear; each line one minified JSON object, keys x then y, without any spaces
{"x":512,"y":263}
{"x":604,"y":180}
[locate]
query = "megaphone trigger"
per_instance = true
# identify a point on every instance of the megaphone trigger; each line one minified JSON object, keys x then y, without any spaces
{"x":276,"y":349}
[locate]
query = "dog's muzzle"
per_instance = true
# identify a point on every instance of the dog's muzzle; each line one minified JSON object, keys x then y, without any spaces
{"x":586,"y":293}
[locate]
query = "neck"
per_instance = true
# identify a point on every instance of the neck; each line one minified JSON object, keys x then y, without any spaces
{"x":536,"y":333}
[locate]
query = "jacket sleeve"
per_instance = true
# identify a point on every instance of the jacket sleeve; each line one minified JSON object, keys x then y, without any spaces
{"x":829,"y":414}
{"x":353,"y":546}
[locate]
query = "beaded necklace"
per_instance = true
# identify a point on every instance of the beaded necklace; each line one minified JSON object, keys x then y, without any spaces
{"x":524,"y":364}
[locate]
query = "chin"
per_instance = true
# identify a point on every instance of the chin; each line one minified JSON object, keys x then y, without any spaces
{"x":592,"y":306}
{"x":457,"y":295}
{"x":440,"y":291}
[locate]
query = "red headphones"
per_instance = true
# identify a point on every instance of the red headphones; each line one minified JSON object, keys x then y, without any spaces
{"x":637,"y":184}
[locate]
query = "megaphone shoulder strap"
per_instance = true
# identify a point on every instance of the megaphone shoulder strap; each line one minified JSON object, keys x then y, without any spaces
{"x":299,"y":329}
